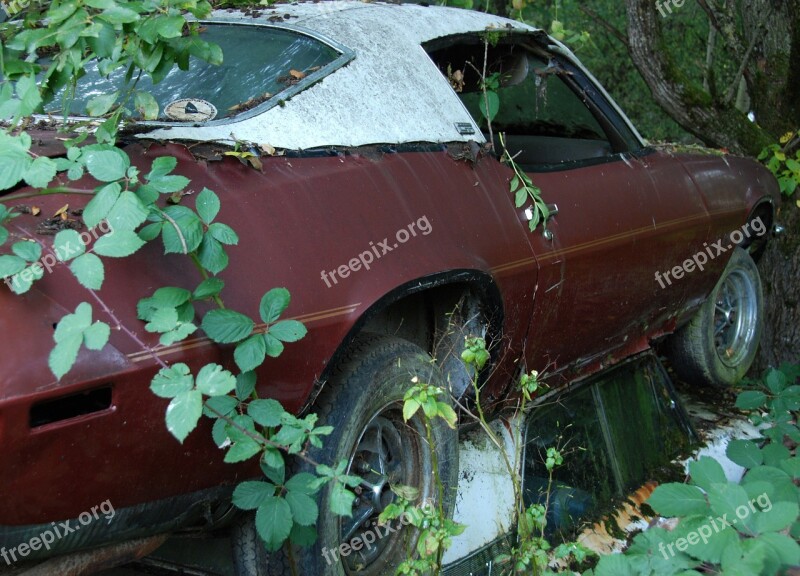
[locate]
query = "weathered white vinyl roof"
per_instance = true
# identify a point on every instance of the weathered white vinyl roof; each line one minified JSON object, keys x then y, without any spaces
{"x":389,"y":93}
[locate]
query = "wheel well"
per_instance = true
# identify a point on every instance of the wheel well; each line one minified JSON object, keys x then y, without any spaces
{"x":434,"y":313}
{"x":763,"y":214}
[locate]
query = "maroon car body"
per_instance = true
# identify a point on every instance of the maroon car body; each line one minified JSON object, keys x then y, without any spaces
{"x":575,"y":300}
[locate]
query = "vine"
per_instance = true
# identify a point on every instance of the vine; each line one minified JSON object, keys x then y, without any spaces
{"x":45,"y":50}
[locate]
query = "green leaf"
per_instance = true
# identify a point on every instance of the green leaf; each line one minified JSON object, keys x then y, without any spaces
{"x":169,"y":184}
{"x":274,"y":346}
{"x":101,"y":204}
{"x":212,"y":255}
{"x":744,"y":453}
{"x":208,"y":288}
{"x":726,"y":498}
{"x":303,"y":536}
{"x":750,"y":400}
{"x":273,"y":465}
{"x":242,"y":450}
{"x":706,"y":471}
{"x":89,"y":271}
{"x":74,"y":324}
{"x":273,"y":303}
{"x":30,"y":251}
{"x":288,"y":330}
{"x":304,"y":508}
{"x":784,"y":551}
{"x":251,"y":495}
{"x":23,"y":281}
{"x":162,"y":166}
{"x":10,"y":265}
{"x":118,"y":14}
{"x":96,"y":335}
{"x":162,"y":320}
{"x":118,"y":244}
{"x":776,"y":381}
{"x":223,"y":233}
{"x":67,"y":245}
{"x":490,"y":105}
{"x":250,"y":354}
{"x":14,"y":162}
{"x":521,"y":197}
{"x":106,"y":165}
{"x":674,"y":499}
{"x":212,"y":380}
{"x":207,"y":206}
{"x":266,"y":412}
{"x":170,"y":26}
{"x":341,"y":501}
{"x":170,"y":297}
{"x":40,"y":172}
{"x":101,"y":104}
{"x":146,"y":105}
{"x":410,"y":408}
{"x":169,"y":382}
{"x":127,"y":213}
{"x":188,"y":234}
{"x":226,"y":326}
{"x":183,"y":413}
{"x":63,"y":355}
{"x":225,"y":405}
{"x":245,"y":384}
{"x":274,"y":522}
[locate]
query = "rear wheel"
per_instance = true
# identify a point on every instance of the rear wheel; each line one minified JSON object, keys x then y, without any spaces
{"x":719,"y":344}
{"x":363,"y":401}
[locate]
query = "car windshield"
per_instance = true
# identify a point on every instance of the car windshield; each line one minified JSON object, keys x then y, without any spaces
{"x":259,"y":63}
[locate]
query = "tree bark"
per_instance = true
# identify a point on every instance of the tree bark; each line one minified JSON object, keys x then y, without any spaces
{"x":715,"y":122}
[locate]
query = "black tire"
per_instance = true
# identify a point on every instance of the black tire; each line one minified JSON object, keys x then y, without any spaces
{"x":718,"y":346}
{"x":364,"y":396}
{"x":250,"y":556}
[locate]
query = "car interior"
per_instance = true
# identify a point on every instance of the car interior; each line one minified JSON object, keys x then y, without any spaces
{"x":545,"y":116}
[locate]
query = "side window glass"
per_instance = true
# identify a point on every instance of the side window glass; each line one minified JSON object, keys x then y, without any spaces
{"x":545,"y":117}
{"x":616,"y":433}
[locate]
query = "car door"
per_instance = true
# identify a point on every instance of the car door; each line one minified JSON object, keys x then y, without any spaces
{"x":612,"y":228}
{"x":620,"y":212}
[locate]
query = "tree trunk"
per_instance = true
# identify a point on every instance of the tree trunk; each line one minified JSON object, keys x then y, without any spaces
{"x":716,"y":123}
{"x":780,"y":275}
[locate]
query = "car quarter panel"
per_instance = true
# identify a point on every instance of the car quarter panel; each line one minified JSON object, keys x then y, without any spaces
{"x":298,"y":218}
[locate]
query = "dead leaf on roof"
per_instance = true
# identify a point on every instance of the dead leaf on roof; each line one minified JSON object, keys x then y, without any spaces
{"x":297,"y":74}
{"x":61,"y":211}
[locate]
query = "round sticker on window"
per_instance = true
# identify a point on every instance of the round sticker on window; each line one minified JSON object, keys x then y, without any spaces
{"x":190,"y":110}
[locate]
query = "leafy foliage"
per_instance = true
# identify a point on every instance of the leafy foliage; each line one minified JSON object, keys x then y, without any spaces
{"x":783,"y":160}
{"x":747,"y":527}
{"x":45,"y":49}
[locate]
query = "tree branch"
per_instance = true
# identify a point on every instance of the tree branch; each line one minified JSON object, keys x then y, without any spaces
{"x":610,"y":28}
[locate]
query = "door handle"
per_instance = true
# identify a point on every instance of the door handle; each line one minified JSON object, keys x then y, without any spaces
{"x":552,"y":210}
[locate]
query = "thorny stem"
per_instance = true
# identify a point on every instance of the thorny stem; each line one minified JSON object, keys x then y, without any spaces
{"x":483,"y":88}
{"x":177,"y":231}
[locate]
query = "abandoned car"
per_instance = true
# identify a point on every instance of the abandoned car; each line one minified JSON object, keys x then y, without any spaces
{"x":384,"y":201}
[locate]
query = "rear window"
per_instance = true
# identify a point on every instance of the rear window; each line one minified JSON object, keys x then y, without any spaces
{"x":260,"y":64}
